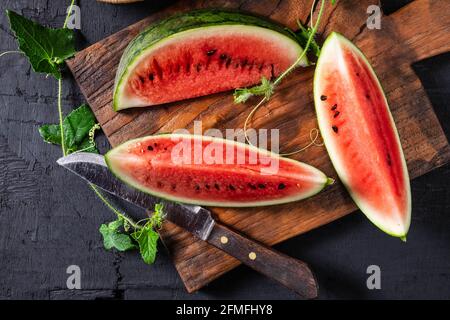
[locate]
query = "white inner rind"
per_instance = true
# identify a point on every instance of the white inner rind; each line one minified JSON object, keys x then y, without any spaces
{"x":287,"y":45}
{"x":118,"y":154}
{"x":332,"y":51}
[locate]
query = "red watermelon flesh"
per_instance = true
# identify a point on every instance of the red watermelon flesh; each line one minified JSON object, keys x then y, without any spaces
{"x":360,"y":135}
{"x":239,"y":176}
{"x":206,"y":63}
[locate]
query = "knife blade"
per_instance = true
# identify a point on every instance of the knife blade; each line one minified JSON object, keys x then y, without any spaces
{"x":92,"y":168}
{"x":290,"y":272}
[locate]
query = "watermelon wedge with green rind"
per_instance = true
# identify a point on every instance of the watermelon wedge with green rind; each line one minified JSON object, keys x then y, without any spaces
{"x":360,"y":135}
{"x":212,"y":171}
{"x":199,"y":53}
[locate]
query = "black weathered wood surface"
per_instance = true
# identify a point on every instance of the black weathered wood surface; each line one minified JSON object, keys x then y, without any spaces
{"x":45,"y":226}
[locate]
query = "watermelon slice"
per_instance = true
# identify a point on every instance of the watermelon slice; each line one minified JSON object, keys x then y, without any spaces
{"x":212,"y":171}
{"x":199,"y":53}
{"x":360,"y":135}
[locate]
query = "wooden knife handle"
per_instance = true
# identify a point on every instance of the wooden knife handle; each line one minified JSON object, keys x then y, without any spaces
{"x":292,"y":273}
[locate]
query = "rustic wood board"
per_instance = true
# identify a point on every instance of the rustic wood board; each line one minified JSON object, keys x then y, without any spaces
{"x":415,"y":32}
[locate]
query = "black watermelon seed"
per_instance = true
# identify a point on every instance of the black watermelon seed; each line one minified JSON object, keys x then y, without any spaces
{"x":368,"y":96}
{"x":323,"y":98}
{"x":150,"y":148}
{"x":335,"y":129}
{"x":207,"y":186}
{"x":336,"y":114}
{"x":389,"y":161}
{"x":223,"y":56}
{"x":261,"y":186}
{"x":197,"y":187}
{"x":151,"y":76}
{"x":216,"y":186}
{"x":281,"y":186}
{"x":141,"y":79}
{"x":232,"y":188}
{"x":173,"y":186}
{"x":252,"y":186}
{"x":211,"y":52}
{"x":334,"y":107}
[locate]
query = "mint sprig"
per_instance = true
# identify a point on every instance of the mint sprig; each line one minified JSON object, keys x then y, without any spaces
{"x":113,"y":238}
{"x":117,"y":235}
{"x":147,"y":238}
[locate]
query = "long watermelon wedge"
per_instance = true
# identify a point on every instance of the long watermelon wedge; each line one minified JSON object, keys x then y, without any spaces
{"x":212,"y":171}
{"x":199,"y":53}
{"x":360,"y":135}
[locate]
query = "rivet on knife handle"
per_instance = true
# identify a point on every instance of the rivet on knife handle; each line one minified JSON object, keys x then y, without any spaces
{"x":290,"y":272}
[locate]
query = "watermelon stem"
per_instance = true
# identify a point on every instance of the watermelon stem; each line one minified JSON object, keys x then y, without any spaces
{"x":249,"y":92}
{"x":311,"y":14}
{"x":316,"y":133}
{"x":241,"y":95}
{"x":119,"y":214}
{"x":60,"y":116}
{"x":68,"y":14}
{"x":9,"y":52}
{"x":91,"y":138}
{"x":308,"y":43}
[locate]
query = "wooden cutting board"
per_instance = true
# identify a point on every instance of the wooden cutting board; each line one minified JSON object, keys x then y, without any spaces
{"x":415,"y":32}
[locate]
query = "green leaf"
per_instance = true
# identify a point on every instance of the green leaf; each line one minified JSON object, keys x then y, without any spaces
{"x":87,"y":146}
{"x":78,"y":126}
{"x":115,"y":225}
{"x":114,"y":239}
{"x":51,"y":133}
{"x":147,"y":240}
{"x":46,"y":48}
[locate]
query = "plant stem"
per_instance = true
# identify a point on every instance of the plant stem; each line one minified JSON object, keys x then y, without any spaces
{"x":111,"y":207}
{"x":308,"y":43}
{"x":9,"y":52}
{"x":287,"y":71}
{"x":68,"y":14}
{"x":60,"y":114}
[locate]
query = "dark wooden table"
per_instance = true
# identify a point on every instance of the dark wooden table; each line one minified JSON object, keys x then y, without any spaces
{"x":49,"y":220}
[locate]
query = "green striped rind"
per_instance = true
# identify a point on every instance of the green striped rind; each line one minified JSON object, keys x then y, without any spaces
{"x":183,"y":22}
{"x":109,"y":159}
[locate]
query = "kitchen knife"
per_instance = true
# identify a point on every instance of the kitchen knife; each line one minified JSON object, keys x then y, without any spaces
{"x":292,"y":273}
